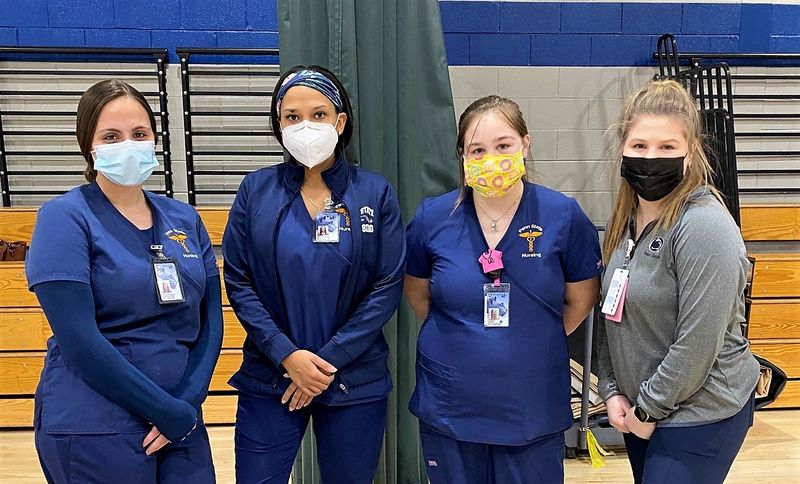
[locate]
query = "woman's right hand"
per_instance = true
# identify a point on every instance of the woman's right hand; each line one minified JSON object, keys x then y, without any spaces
{"x":617,"y":407}
{"x":310,"y":372}
{"x":175,"y":424}
{"x":154,"y":441}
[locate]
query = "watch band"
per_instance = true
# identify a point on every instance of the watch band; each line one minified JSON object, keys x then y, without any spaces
{"x":643,"y":416}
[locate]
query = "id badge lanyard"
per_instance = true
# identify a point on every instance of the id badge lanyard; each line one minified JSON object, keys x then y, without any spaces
{"x":165,"y":269}
{"x":618,"y":288}
{"x":497,"y":294}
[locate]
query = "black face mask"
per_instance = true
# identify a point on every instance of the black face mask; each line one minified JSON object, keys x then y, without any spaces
{"x":652,"y":178}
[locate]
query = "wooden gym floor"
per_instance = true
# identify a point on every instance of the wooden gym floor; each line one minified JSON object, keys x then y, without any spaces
{"x":771,"y":454}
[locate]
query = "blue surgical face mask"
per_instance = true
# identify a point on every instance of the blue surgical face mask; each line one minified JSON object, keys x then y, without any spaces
{"x":128,"y":163}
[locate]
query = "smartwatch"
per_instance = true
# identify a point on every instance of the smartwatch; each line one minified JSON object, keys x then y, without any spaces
{"x":643,"y":416}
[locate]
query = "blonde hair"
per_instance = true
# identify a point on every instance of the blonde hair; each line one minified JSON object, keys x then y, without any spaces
{"x":659,"y":98}
{"x":505,"y":107}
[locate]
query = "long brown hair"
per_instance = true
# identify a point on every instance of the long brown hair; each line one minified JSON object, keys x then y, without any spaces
{"x":497,"y":104}
{"x":659,"y":98}
{"x":92,"y":102}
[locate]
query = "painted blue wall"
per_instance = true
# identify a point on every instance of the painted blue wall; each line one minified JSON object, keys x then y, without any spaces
{"x":476,"y":33}
{"x":609,"y":34}
{"x":139,"y":23}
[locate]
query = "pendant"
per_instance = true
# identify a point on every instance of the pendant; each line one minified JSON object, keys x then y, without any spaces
{"x":493,"y":227}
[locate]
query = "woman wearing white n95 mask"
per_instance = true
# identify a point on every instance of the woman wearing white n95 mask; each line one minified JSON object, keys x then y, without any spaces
{"x":314,"y":260}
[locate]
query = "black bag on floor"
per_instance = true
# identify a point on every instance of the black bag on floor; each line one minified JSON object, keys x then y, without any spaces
{"x":770,"y":382}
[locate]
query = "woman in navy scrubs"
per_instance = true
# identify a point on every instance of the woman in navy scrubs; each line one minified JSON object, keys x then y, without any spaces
{"x":129,"y":284}
{"x":314,"y":261}
{"x":501,"y":271}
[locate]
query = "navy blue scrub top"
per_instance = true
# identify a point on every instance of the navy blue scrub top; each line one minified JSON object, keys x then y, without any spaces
{"x":323,"y":266}
{"x":505,"y":386}
{"x":81,"y":237}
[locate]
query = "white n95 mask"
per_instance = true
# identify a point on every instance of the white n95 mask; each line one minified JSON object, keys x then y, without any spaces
{"x":310,"y":143}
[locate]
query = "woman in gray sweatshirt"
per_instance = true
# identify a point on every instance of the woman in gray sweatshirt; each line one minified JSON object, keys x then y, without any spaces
{"x":675,"y":370}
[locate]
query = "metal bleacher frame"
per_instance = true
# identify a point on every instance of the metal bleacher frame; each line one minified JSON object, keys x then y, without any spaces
{"x":605,"y":434}
{"x":711,"y":87}
{"x":158,"y":57}
{"x":670,"y":60}
{"x":188,"y":72}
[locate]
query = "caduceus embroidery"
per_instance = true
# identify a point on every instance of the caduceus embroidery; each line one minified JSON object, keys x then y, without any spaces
{"x":530,"y":237}
{"x":343,"y":211}
{"x":181,"y":239}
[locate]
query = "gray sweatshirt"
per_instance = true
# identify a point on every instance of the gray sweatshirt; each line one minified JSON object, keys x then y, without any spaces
{"x":679,"y":352}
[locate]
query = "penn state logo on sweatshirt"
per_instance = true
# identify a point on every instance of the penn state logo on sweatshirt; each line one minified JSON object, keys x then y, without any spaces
{"x":654,"y":247}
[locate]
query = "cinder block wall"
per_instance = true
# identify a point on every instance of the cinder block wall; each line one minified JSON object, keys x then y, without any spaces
{"x":569,"y":111}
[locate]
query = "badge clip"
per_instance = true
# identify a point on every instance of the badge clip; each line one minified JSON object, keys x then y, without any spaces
{"x":492,"y":264}
{"x":158,"y":250}
{"x":630,"y":245}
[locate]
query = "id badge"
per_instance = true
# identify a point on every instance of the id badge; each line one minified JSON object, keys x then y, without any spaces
{"x":326,"y":227}
{"x":168,"y":281}
{"x":496,"y":305}
{"x":612,"y":305}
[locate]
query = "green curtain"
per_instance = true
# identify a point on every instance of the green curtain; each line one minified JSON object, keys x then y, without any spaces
{"x":390,"y":56}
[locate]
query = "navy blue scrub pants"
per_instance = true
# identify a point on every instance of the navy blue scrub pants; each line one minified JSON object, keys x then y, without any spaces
{"x":268,"y":436}
{"x":120,"y":458}
{"x":689,"y":455}
{"x":450,"y":461}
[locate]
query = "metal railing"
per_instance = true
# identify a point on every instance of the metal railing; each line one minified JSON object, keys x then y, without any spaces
{"x":718,"y":124}
{"x":205,"y":160}
{"x":89,"y":59}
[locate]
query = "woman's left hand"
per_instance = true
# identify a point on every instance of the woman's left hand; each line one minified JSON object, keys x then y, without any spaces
{"x":296,"y":397}
{"x":643,"y":430}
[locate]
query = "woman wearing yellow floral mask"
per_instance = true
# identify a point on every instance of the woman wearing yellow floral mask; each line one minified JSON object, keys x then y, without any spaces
{"x":501,"y":270}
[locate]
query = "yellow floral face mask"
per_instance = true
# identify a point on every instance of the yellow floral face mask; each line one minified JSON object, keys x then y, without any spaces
{"x":494,"y":175}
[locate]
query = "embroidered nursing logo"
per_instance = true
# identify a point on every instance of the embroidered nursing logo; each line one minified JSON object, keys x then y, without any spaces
{"x":656,"y":244}
{"x":180,"y":237}
{"x":530,"y":233}
{"x":367,"y":217}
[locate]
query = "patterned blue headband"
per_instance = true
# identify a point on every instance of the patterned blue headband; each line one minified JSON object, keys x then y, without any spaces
{"x":314,"y":80}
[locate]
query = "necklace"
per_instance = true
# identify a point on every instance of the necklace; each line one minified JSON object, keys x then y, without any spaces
{"x":493,"y":226}
{"x":327,"y":202}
